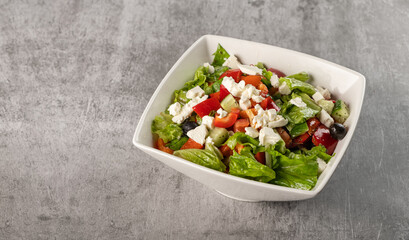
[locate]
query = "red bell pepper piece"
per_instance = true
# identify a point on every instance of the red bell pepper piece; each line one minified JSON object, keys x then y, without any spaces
{"x":268,"y":103}
{"x":323,"y":136}
{"x":241,"y":124}
{"x":223,"y":92}
{"x":227,"y":121}
{"x":204,"y":108}
{"x":234,"y":73}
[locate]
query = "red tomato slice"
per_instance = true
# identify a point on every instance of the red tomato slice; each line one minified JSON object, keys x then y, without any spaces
{"x":227,"y":121}
{"x":323,"y":136}
{"x":234,"y":73}
{"x":268,"y":103}
{"x":161,"y":146}
{"x":261,"y":157}
{"x":285,"y":136}
{"x":276,"y":72}
{"x":241,"y":124}
{"x":313,"y":124}
{"x":191,"y":144}
{"x":204,"y":108}
{"x":301,"y":139}
{"x":226,"y":151}
{"x":254,"y":80}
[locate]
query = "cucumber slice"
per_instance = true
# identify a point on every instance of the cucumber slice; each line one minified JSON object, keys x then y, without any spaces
{"x":340,"y":113}
{"x":327,"y":105}
{"x":219,"y":136}
{"x":229,"y":102}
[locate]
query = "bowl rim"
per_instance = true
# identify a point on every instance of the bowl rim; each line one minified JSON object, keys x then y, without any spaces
{"x":311,"y":193}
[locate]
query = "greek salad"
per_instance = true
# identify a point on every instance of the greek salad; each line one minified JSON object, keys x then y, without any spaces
{"x":254,"y":122}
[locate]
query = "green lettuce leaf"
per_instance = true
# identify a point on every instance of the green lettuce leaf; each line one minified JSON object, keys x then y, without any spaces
{"x":165,"y":128}
{"x":180,"y":96}
{"x":176,"y":144}
{"x":246,"y":166}
{"x":295,"y":170}
{"x":202,"y":157}
{"x":199,"y":78}
{"x":319,"y":151}
{"x":220,"y":56}
{"x":246,"y":140}
{"x":297,"y":129}
{"x":295,"y":84}
{"x":297,"y":115}
{"x":302,"y":76}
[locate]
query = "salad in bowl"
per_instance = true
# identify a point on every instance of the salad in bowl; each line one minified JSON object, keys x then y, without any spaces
{"x":253,"y":121}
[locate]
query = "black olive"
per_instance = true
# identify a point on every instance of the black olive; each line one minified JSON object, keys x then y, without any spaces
{"x":338,"y":131}
{"x":188,"y":125}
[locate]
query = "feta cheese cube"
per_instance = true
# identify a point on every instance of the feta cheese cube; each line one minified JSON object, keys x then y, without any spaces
{"x":268,"y":136}
{"x":221,"y":113}
{"x":198,"y":134}
{"x":257,"y":99}
{"x":208,"y":122}
{"x":252,"y":132}
{"x":324,"y":92}
{"x":231,"y":62}
{"x":321,"y":165}
{"x":284,"y":89}
{"x":244,"y":104}
{"x":187,"y":109}
{"x":195,"y":92}
{"x":274,"y":81}
{"x":317,"y":96}
{"x":175,"y":109}
{"x":210,"y":67}
{"x":325,"y":118}
{"x":298,"y":102}
{"x":250,"y":70}
{"x":279,"y":121}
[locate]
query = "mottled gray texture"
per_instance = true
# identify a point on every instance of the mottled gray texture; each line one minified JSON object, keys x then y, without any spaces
{"x":76,"y":76}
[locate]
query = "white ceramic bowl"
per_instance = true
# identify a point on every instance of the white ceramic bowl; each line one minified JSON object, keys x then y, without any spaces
{"x":343,"y":83}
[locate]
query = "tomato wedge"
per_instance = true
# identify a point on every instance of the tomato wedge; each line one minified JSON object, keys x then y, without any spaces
{"x":268,"y":103}
{"x":301,"y":139}
{"x":285,"y":136}
{"x":254,"y":80}
{"x":323,"y":136}
{"x":261,"y":157}
{"x":161,"y":146}
{"x":226,"y":151}
{"x":191,"y":144}
{"x":227,"y":121}
{"x":241,"y":124}
{"x":234,"y":73}
{"x":313,"y":124}
{"x":276,"y":72}
{"x":204,"y":108}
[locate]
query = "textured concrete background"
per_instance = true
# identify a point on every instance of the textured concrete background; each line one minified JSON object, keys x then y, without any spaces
{"x":75,"y":77}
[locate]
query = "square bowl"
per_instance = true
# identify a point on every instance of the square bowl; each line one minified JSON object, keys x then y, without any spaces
{"x":342,"y":82}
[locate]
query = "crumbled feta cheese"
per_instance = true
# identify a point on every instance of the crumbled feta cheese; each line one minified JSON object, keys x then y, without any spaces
{"x":274,"y":81}
{"x":325,"y":118}
{"x":252,"y":132}
{"x":198,"y":134}
{"x":324,"y":92}
{"x":250,"y":70}
{"x":231,"y":62}
{"x":195,"y":92}
{"x":317,"y":96}
{"x":221,"y":113}
{"x":209,"y":140}
{"x":257,"y":99}
{"x":175,"y":109}
{"x":284,"y":89}
{"x":268,"y":136}
{"x":298,"y":102}
{"x":210,"y":67}
{"x":321,"y":165}
{"x":268,"y":118}
{"x":244,"y":104}
{"x":208,"y":122}
{"x":187,"y":109}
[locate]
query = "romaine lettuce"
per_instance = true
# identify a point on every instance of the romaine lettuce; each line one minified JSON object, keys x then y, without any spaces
{"x":165,"y":128}
{"x":246,"y":140}
{"x":220,"y":56}
{"x":205,"y":158}
{"x":295,"y":84}
{"x":176,"y":144}
{"x":246,"y":166}
{"x":302,"y":76}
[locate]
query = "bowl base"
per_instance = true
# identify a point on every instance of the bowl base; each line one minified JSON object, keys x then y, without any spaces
{"x":236,"y":198}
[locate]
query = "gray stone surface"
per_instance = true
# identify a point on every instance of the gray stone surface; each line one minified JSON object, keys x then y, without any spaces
{"x":76,"y":76}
